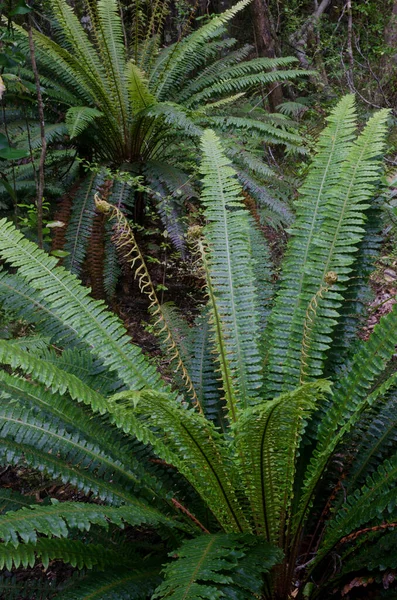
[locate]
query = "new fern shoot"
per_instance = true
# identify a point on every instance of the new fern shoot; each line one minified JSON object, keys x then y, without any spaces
{"x":236,"y":463}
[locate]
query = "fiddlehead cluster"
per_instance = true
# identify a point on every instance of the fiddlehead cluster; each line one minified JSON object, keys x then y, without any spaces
{"x":126,"y":244}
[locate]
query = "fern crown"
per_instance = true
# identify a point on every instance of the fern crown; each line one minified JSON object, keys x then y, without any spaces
{"x":233,"y":463}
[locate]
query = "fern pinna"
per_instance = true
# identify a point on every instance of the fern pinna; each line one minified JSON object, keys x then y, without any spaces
{"x":237,"y":463}
{"x":140,"y":108}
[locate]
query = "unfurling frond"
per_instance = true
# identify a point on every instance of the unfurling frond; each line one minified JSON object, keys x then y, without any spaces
{"x":125,"y":242}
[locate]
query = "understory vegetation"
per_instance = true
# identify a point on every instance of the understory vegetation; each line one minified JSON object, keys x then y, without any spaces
{"x":196,"y":399}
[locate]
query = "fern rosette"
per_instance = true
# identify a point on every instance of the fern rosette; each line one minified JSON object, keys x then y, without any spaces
{"x":234,"y":464}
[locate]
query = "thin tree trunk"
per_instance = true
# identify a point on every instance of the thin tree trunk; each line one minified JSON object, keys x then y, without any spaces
{"x":350,"y":81}
{"x":40,"y":106}
{"x":299,"y":39}
{"x":265,"y":45}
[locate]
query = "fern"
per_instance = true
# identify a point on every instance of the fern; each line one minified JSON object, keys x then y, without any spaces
{"x":78,"y":118}
{"x":246,"y":487}
{"x":218,"y":566}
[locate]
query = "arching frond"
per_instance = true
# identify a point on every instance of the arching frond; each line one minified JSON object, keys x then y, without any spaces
{"x":185,"y":439}
{"x":69,"y":299}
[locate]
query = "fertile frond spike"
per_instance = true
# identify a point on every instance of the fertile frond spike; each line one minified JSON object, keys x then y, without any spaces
{"x":231,"y":272}
{"x":124,"y":240}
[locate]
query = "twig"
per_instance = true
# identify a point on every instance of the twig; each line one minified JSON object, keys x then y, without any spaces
{"x":40,"y":107}
{"x":350,"y":45}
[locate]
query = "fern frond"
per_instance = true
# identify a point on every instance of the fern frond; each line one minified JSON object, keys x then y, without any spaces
{"x":126,"y":243}
{"x":73,"y":552}
{"x":70,"y":301}
{"x":333,"y":147}
{"x":81,"y":221}
{"x":267,"y":439}
{"x":74,"y":37}
{"x":187,"y":440}
{"x":19,"y":298}
{"x":186,"y":53}
{"x":139,"y":94}
{"x":231,"y":273}
{"x":111,"y":45}
{"x":237,"y":84}
{"x":175,"y":115}
{"x":57,"y":519}
{"x":117,"y":585}
{"x":270,"y":133}
{"x":374,"y":501}
{"x":11,"y":500}
{"x":217,"y":566}
{"x":78,"y":118}
{"x":344,"y":220}
{"x":203,"y":370}
{"x":85,"y":440}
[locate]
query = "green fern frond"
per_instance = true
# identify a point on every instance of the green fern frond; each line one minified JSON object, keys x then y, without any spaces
{"x":186,"y":53}
{"x":272,"y":134}
{"x":78,"y":118}
{"x":218,"y":566}
{"x":333,"y":147}
{"x":11,"y":500}
{"x":79,"y":228}
{"x":69,"y":300}
{"x":374,"y":502}
{"x":57,"y":519}
{"x":185,"y":439}
{"x":231,"y":272}
{"x":344,"y":219}
{"x":174,"y":114}
{"x":75,"y":38}
{"x":203,"y":370}
{"x":139,"y":94}
{"x":73,"y":552}
{"x":239,"y":84}
{"x":267,"y":440}
{"x":51,"y":376}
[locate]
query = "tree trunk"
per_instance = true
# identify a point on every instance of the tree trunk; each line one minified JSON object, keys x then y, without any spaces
{"x":391,"y":34}
{"x":265,"y":45}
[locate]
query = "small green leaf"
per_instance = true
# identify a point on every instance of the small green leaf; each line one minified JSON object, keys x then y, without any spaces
{"x":60,"y":253}
{"x":12,"y":153}
{"x":21,"y":9}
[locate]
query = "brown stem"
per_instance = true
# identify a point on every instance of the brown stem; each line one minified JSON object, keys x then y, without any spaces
{"x":40,"y":107}
{"x":353,"y":536}
{"x":189,"y":514}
